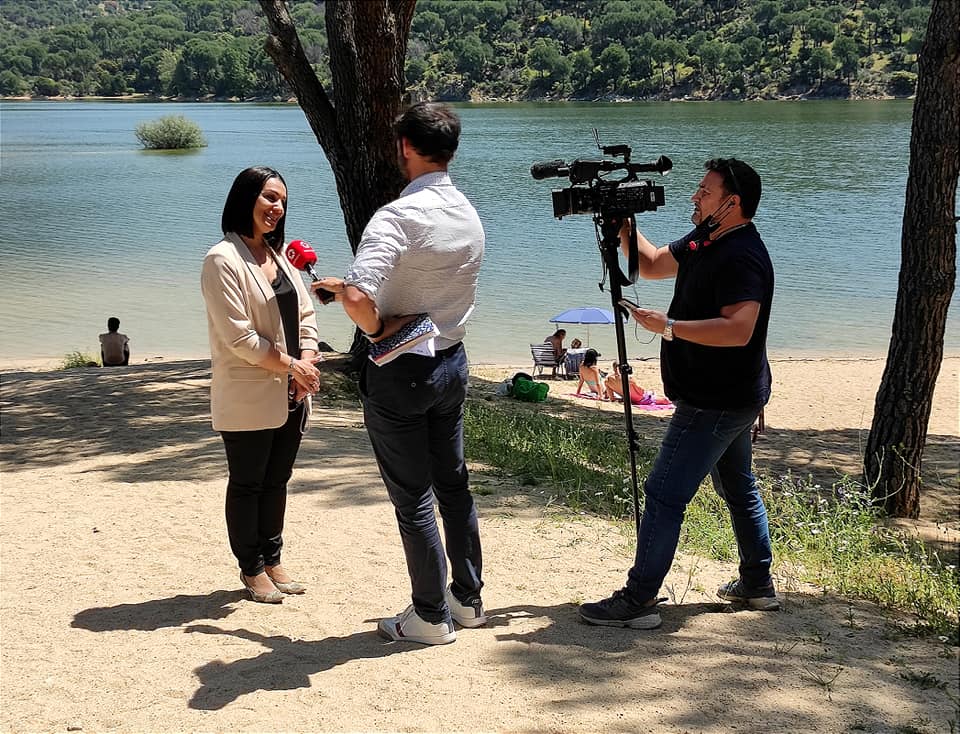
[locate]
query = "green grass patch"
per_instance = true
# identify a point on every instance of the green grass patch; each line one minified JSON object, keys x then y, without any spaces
{"x":829,"y":537}
{"x":75,"y":360}
{"x":586,"y":467}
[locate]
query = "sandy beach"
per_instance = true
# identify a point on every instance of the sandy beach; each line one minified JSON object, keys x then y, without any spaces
{"x":121,"y":608}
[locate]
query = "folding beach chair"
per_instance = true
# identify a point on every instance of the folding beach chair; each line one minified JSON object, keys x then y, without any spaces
{"x":543,"y":357}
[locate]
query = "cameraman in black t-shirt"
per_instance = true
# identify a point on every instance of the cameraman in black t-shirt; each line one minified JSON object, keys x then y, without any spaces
{"x":713,"y":360}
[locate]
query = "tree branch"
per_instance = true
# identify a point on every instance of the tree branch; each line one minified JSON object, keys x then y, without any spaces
{"x":284,"y":47}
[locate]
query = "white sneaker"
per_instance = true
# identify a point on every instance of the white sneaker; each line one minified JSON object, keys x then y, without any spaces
{"x":464,"y":615}
{"x":410,"y":627}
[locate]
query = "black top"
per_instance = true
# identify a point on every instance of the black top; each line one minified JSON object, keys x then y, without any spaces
{"x":289,"y":311}
{"x":712,"y":275}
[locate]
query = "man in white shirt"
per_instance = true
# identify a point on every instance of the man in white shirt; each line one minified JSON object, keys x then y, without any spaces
{"x":114,"y":346}
{"x":422,"y":254}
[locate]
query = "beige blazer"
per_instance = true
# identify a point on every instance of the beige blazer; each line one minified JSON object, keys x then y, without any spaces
{"x":243,"y":320}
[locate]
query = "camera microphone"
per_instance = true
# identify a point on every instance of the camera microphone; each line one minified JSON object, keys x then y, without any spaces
{"x":661,"y":165}
{"x":549,"y":169}
{"x":303,"y":257}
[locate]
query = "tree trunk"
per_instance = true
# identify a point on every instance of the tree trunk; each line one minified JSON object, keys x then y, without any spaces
{"x":354,"y":122}
{"x":892,"y":461}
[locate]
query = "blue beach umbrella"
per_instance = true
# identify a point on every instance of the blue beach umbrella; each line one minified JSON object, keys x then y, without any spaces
{"x":584,"y":315}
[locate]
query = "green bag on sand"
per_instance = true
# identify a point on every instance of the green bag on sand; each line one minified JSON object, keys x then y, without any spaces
{"x":530,"y":391}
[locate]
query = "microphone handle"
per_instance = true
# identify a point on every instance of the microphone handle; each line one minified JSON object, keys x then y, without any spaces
{"x":323,"y":294}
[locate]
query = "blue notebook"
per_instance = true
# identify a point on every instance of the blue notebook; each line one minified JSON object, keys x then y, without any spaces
{"x":403,"y":340}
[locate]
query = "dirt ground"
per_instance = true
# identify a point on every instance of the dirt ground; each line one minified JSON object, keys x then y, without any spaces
{"x":121,"y":610}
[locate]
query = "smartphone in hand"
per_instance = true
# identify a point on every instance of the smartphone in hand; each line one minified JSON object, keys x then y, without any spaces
{"x":628,"y":304}
{"x":325,"y":296}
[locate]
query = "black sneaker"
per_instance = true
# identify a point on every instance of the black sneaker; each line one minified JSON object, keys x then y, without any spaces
{"x":764,"y":598}
{"x":620,"y":610}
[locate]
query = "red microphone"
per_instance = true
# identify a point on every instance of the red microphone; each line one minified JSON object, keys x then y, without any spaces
{"x":303,"y":257}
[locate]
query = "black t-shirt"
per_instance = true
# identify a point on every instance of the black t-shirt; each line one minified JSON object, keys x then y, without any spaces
{"x":289,"y":312}
{"x":730,"y":270}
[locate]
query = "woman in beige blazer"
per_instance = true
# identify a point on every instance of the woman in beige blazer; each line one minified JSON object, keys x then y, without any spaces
{"x":263,"y":341}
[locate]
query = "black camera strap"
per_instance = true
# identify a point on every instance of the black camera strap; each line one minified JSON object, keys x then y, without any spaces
{"x":633,"y":259}
{"x":633,"y":256}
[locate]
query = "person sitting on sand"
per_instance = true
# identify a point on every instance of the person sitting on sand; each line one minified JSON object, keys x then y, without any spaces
{"x":114,"y":346}
{"x":590,"y":376}
{"x":638,"y":396}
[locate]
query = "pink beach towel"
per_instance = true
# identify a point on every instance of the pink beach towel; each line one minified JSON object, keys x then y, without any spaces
{"x":648,"y":403}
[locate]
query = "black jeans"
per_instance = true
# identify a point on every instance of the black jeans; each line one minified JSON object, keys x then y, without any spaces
{"x":413,"y":409}
{"x":260,"y":464}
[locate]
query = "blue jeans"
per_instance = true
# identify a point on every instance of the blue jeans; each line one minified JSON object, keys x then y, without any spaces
{"x":699,"y":442}
{"x":413,"y":409}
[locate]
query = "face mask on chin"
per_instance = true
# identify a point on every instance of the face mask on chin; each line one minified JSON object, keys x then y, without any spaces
{"x":709,"y":224}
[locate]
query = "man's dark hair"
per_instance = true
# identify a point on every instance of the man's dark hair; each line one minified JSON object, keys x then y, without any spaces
{"x":738,"y":178}
{"x":432,"y":128}
{"x":238,"y":209}
{"x":113,"y":323}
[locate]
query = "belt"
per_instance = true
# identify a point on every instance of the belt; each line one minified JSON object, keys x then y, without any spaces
{"x":449,"y":350}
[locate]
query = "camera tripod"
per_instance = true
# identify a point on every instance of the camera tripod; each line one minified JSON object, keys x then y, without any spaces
{"x":608,"y":239}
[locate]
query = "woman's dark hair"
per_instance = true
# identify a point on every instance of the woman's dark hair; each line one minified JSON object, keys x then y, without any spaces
{"x":560,"y":332}
{"x":432,"y":128}
{"x":590,"y":358}
{"x":739,"y":178}
{"x":238,"y":209}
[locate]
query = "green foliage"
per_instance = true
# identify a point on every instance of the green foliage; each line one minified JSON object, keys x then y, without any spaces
{"x":902,"y":83}
{"x":474,"y":48}
{"x":833,"y":539}
{"x":75,"y":360}
{"x":171,"y":132}
{"x":11,"y":83}
{"x":46,"y":87}
{"x":838,"y":542}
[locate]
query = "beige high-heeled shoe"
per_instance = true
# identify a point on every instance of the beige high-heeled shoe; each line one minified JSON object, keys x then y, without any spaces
{"x":287,"y":587}
{"x":271,"y":597}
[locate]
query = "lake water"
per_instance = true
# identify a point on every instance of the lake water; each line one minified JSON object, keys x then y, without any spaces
{"x":94,"y":226}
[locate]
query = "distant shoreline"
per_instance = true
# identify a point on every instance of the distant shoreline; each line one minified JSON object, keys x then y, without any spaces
{"x":603,"y":100}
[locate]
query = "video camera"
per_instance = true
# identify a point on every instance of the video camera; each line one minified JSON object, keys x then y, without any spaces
{"x":590,"y":193}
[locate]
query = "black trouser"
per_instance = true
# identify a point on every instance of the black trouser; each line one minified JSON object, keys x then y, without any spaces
{"x":260,"y":464}
{"x":413,"y":409}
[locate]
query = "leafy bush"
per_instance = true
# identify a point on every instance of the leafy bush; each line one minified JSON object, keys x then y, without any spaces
{"x":11,"y":83}
{"x":46,"y":87}
{"x":902,"y":83}
{"x":171,"y":132}
{"x":73,"y":360}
